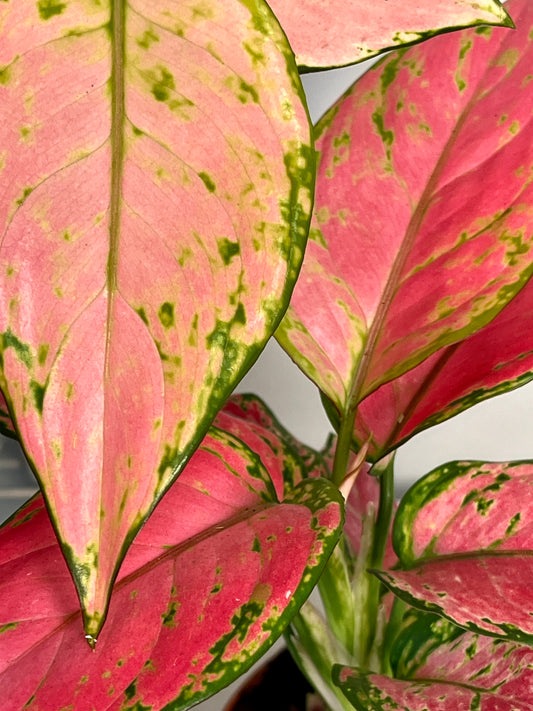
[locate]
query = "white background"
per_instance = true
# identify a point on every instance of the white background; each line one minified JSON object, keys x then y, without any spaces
{"x":498,"y":429}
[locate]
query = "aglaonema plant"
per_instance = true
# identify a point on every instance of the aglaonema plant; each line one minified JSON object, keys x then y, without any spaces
{"x":158,"y":173}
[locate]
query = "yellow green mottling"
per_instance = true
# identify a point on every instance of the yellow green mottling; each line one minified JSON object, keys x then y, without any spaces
{"x":466,"y":46}
{"x":166,"y":314}
{"x":148,"y":38}
{"x":56,"y":449}
{"x":508,"y":59}
{"x":8,"y":627}
{"x":49,"y":8}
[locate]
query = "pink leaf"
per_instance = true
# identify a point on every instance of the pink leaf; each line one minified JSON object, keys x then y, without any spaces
{"x":206,"y":587}
{"x":461,"y":534}
{"x":155,"y":182}
{"x":326,"y":34}
{"x":423,"y":219}
{"x":470,"y":673}
{"x":495,"y":359}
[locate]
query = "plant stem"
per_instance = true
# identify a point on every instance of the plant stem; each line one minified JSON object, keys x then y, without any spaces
{"x":343,"y":448}
{"x":385,"y":470}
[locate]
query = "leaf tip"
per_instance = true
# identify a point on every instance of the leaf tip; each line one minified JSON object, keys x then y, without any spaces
{"x":91,"y":641}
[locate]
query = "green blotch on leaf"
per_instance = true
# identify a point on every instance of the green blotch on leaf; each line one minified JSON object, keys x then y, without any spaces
{"x":148,"y":38}
{"x":8,"y":627}
{"x":130,"y":692}
{"x":142,"y":313}
{"x":247,"y":92}
{"x":164,"y":85}
{"x":390,"y":70}
{"x":166,"y":314}
{"x":386,"y":136}
{"x":256,"y":546}
{"x":25,"y":194}
{"x":240,"y":315}
{"x":38,"y":391}
{"x":49,"y":8}
{"x":513,"y":523}
{"x":23,"y":351}
{"x":5,"y":75}
{"x":168,"y":461}
{"x":209,"y":184}
{"x":170,"y":614}
{"x":228,"y":250}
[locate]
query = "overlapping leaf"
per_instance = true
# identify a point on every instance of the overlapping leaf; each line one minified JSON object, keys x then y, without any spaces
{"x":206,"y":587}
{"x":326,"y":34}
{"x":423,"y":211}
{"x":497,"y":358}
{"x":469,"y":673}
{"x":464,"y":538}
{"x":155,"y":179}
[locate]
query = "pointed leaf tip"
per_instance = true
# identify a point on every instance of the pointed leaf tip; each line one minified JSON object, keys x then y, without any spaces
{"x":207,"y":586}
{"x":115,"y":362}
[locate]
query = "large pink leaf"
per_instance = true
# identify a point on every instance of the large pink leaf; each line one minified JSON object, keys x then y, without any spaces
{"x":470,"y":673}
{"x":423,"y":211}
{"x":155,"y":174}
{"x":464,"y":538}
{"x":497,"y":358}
{"x":205,"y":588}
{"x":327,"y":34}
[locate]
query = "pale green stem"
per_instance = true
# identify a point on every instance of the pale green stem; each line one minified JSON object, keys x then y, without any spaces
{"x":385,"y":470}
{"x":343,"y":448}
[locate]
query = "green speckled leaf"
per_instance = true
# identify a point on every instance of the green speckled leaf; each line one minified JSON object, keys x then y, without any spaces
{"x":470,"y":673}
{"x":334,"y":33}
{"x":156,"y":174}
{"x":498,"y":358}
{"x":423,"y":221}
{"x":464,"y":538}
{"x":207,"y":586}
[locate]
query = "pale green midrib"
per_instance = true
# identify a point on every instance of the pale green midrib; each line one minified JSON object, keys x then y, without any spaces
{"x":117,"y":39}
{"x":117,"y":140}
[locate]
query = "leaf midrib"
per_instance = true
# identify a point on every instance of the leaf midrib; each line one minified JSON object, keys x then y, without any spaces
{"x":117,"y":141}
{"x":117,"y":39}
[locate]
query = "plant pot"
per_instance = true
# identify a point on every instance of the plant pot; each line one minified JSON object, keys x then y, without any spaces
{"x":279,"y":685}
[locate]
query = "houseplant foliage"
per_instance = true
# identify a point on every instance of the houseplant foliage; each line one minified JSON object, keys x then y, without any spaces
{"x":158,"y":173}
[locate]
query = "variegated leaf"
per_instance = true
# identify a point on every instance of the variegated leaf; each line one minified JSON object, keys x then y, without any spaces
{"x":499,"y":357}
{"x":206,"y":587}
{"x":155,"y":179}
{"x":327,"y":34}
{"x":423,"y":218}
{"x":467,"y":674}
{"x":297,"y":457}
{"x":464,"y":538}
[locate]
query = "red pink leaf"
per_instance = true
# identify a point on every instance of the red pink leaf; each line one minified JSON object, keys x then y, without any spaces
{"x":497,"y":358}
{"x":206,"y":587}
{"x":155,"y":183}
{"x":423,"y":219}
{"x":326,"y":34}
{"x":464,"y":538}
{"x":469,"y":673}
